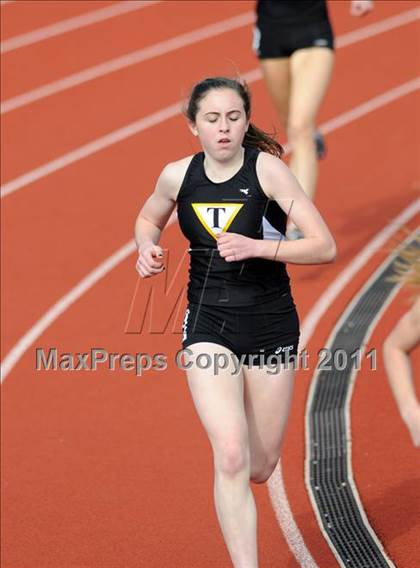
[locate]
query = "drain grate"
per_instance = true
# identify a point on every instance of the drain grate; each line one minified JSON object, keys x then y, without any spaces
{"x":329,"y":475}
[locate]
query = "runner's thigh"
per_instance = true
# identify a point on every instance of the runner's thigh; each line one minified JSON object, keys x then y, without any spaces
{"x":311,"y":70}
{"x":268,"y":396}
{"x":218,"y":398}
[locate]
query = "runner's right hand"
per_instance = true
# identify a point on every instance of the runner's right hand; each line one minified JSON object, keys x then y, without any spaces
{"x":150,"y":260}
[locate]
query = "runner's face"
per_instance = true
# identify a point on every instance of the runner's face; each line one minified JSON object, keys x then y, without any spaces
{"x":221,"y":123}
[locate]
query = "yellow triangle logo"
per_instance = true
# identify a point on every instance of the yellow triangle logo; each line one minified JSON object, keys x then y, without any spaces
{"x":216,"y":217}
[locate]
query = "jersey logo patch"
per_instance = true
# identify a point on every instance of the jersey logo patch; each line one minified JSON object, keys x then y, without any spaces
{"x":245,"y":191}
{"x":216,"y":217}
{"x":320,"y":42}
{"x":283,"y":349}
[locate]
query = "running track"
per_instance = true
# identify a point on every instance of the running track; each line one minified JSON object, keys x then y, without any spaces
{"x":105,"y":469}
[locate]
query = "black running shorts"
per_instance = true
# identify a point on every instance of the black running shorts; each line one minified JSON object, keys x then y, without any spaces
{"x":270,"y":328}
{"x":273,"y":39}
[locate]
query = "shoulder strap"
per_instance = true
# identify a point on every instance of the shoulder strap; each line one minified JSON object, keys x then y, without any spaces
{"x":190,"y":174}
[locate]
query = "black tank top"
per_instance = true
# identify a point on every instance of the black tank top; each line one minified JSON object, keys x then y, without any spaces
{"x":294,"y":11}
{"x":237,"y":205}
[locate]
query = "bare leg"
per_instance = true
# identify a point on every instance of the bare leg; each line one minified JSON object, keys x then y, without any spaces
{"x":267,"y":401}
{"x":397,"y":346}
{"x":276,"y":74}
{"x":311,"y":71}
{"x":297,"y":86}
{"x":219,"y":401}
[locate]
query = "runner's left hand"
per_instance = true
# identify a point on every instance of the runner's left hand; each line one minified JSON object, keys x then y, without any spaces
{"x":361,"y":7}
{"x":233,"y":247}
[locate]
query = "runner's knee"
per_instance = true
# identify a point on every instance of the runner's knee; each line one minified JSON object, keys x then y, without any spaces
{"x":231,"y":457}
{"x":300,"y":130}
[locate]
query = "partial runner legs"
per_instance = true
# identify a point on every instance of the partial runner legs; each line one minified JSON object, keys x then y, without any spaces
{"x":298,"y":85}
{"x":219,"y":401}
{"x":244,"y":415}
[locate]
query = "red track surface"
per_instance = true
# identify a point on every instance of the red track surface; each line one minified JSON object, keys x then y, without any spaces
{"x":105,"y":469}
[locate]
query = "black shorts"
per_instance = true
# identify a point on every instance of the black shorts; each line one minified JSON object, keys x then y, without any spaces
{"x":267,"y":329}
{"x":273,"y":39}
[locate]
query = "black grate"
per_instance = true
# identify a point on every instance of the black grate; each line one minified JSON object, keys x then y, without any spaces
{"x":330,"y":482}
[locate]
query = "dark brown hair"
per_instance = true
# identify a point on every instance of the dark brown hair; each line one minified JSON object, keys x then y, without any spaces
{"x":254,"y":137}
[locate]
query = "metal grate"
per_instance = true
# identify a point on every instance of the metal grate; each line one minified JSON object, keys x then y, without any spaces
{"x":328,"y":466}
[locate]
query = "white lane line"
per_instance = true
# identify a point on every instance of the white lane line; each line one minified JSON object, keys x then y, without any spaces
{"x":178,"y":42}
{"x":285,"y":519}
{"x":74,"y":23}
{"x":379,"y":27}
{"x":133,"y":58}
{"x":175,"y":109}
{"x":62,"y":305}
{"x":372,"y":104}
{"x":93,"y":147}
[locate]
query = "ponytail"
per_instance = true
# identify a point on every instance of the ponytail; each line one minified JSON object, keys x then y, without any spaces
{"x":257,"y":138}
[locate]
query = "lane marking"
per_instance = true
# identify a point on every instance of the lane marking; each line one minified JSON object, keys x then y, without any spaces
{"x":62,"y":305}
{"x":285,"y":519}
{"x":379,"y":27}
{"x":185,"y":40}
{"x":175,"y":109}
{"x":372,"y":104}
{"x":133,"y":58}
{"x":92,"y":147}
{"x":75,"y":23}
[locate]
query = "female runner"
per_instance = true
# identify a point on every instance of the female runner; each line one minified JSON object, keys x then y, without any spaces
{"x":239,"y":300}
{"x":295,"y":45}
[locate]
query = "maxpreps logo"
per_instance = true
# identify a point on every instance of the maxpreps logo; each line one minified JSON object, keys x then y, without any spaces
{"x":216,"y":217}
